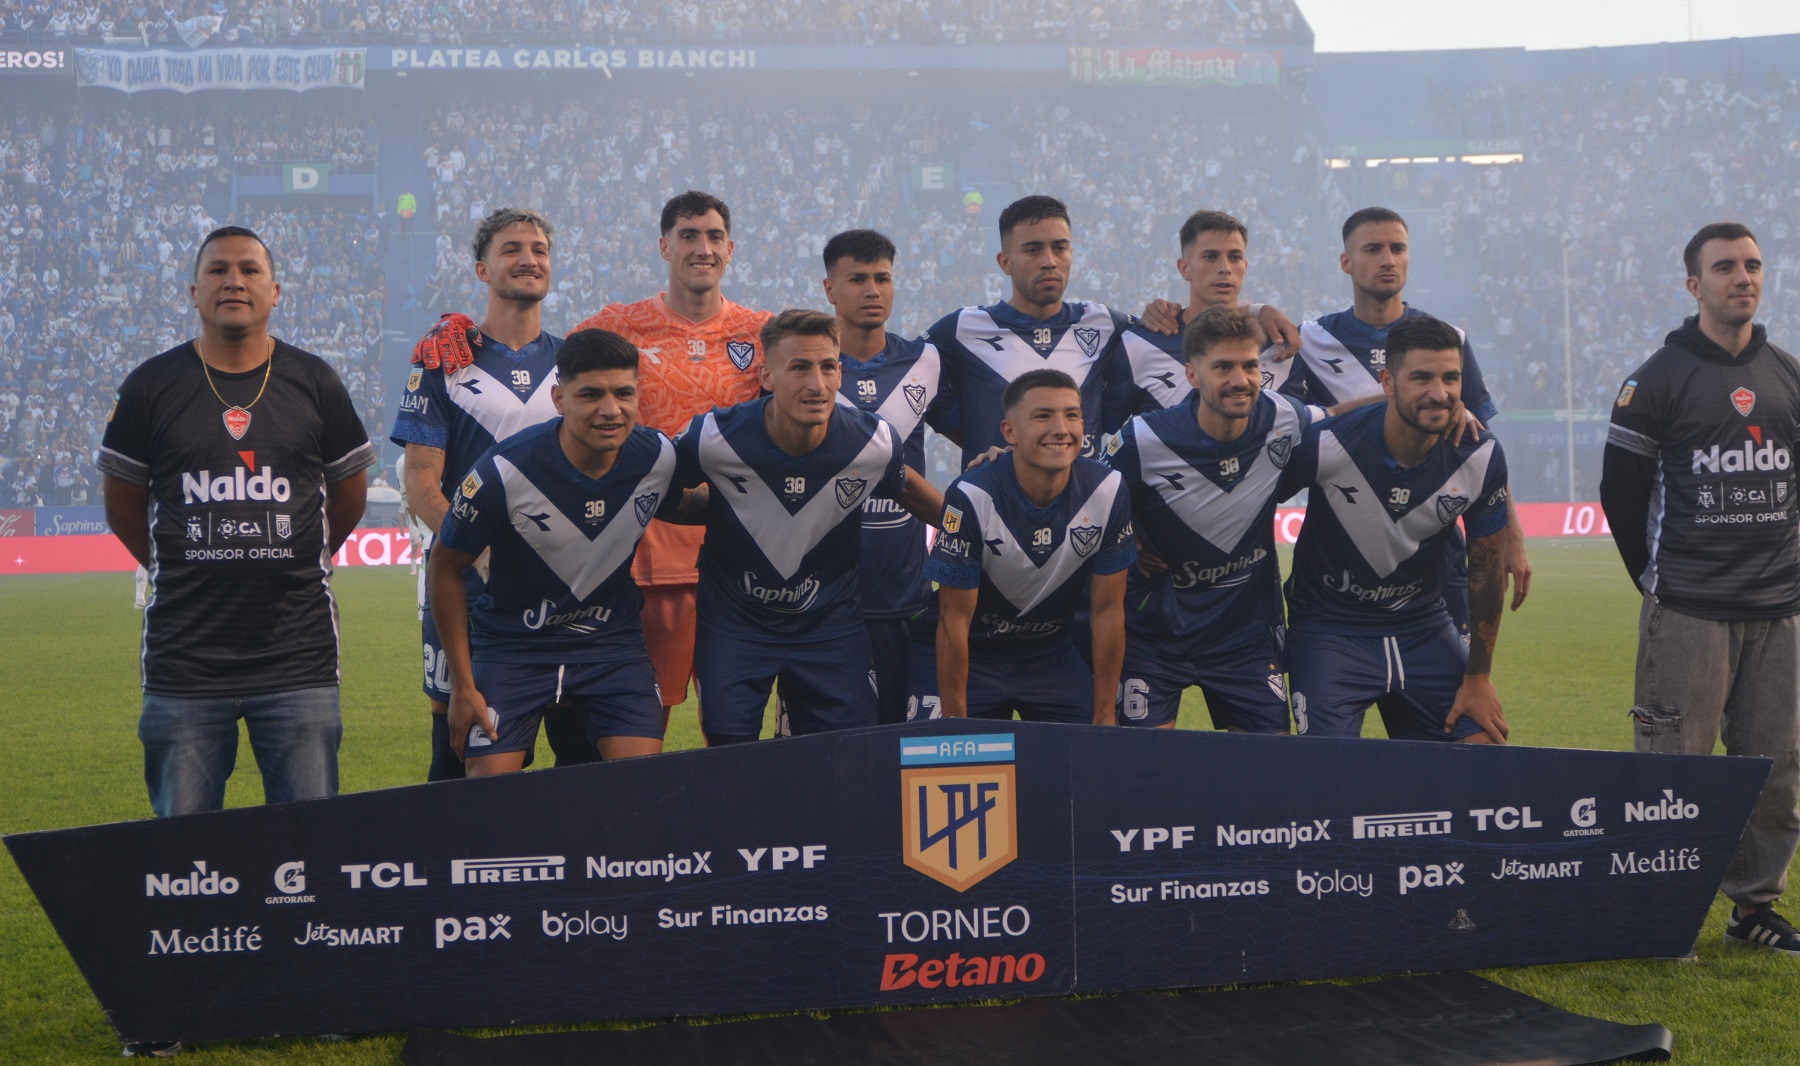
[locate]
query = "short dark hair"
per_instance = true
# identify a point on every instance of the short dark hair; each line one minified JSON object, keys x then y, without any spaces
{"x":1211,"y":222}
{"x":1217,"y":325}
{"x":1712,"y":231}
{"x":233,"y":231}
{"x":500,"y":218}
{"x":594,"y":349}
{"x":797,"y":322}
{"x":1028,"y":209}
{"x":1045,"y":378}
{"x":1420,"y":333}
{"x":859,"y":245}
{"x":693,"y":204}
{"x":1368,"y":215}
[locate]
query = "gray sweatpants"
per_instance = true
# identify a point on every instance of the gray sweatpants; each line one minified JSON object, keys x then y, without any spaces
{"x":1698,"y":681}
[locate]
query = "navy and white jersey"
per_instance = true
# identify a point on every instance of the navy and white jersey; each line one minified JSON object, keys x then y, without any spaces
{"x":559,"y":584}
{"x":985,"y":348}
{"x":1030,"y":563}
{"x":1341,"y":359}
{"x":468,"y":412}
{"x":784,"y":532}
{"x":1159,"y":371}
{"x":900,"y":385}
{"x":1371,"y":553}
{"x":1207,"y":507}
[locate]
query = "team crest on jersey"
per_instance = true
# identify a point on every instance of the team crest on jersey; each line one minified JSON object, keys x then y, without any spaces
{"x":284,"y":526}
{"x":915,"y":397}
{"x":1450,"y":505}
{"x":1114,"y":441}
{"x":741,"y":353}
{"x":645,"y":506}
{"x":1745,"y":401}
{"x":958,"y":802}
{"x":850,"y":491}
{"x":471,"y":485}
{"x":1278,"y":687}
{"x":1625,"y":394}
{"x":196,"y":528}
{"x":1279,"y":450}
{"x":1089,"y":339}
{"x":414,"y":379}
{"x":1085,"y":539}
{"x":1268,"y":378}
{"x":952,"y":520}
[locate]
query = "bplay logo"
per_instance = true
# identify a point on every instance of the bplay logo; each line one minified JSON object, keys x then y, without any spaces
{"x":566,"y":927}
{"x":471,"y":929}
{"x":1319,"y":885}
{"x":198,"y":882}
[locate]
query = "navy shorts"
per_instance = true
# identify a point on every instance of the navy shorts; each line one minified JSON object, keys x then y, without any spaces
{"x":1053,"y":685}
{"x":616,"y":699}
{"x":1242,"y":684}
{"x":437,"y":668}
{"x":904,"y":654}
{"x":1412,"y":679}
{"x":825,"y":684}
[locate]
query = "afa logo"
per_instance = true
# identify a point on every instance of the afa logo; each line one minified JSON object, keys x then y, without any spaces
{"x":959,"y":807}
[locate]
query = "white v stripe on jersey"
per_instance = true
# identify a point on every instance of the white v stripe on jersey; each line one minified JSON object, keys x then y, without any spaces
{"x":1023,"y":582}
{"x":1015,"y":356}
{"x":1335,"y":367}
{"x":784,"y":538}
{"x":1161,"y":375}
{"x":584,"y":563}
{"x":899,"y":408}
{"x":1219,"y":517}
{"x":496,"y":406}
{"x":1383,"y":541}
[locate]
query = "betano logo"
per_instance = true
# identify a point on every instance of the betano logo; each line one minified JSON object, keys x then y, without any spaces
{"x":958,"y":803}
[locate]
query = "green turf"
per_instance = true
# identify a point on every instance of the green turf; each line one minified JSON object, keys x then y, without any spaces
{"x":1564,"y":672}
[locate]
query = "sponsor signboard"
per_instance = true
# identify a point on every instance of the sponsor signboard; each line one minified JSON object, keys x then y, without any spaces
{"x":933,"y":861}
{"x":1177,"y":67}
{"x":71,"y":521}
{"x":18,"y":522}
{"x":33,"y":61}
{"x":289,"y":69}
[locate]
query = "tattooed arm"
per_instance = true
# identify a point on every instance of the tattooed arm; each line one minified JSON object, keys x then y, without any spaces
{"x":1487,"y":598}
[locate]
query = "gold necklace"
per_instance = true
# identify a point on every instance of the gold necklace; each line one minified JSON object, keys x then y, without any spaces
{"x":237,"y":419}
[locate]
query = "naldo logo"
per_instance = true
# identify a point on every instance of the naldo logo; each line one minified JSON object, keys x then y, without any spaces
{"x":199,"y":881}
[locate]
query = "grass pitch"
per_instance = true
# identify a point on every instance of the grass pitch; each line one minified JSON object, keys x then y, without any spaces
{"x":1563,"y":670}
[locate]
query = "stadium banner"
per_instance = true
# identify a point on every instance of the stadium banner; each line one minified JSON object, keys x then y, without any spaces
{"x":34,"y":61}
{"x":928,"y":862}
{"x":290,"y":69}
{"x":79,"y":550}
{"x":1179,"y":68}
{"x":71,"y":521}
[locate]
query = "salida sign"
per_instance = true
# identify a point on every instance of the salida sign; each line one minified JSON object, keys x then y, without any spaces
{"x":934,"y":861}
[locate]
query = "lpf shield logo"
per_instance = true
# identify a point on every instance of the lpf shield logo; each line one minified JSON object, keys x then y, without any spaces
{"x":741,"y":353}
{"x":284,"y":526}
{"x":958,"y":800}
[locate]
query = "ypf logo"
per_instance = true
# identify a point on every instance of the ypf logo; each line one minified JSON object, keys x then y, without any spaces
{"x":958,"y":806}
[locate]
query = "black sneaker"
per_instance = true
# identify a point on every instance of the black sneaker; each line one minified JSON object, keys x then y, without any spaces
{"x":1763,"y":928}
{"x":154,"y":1049}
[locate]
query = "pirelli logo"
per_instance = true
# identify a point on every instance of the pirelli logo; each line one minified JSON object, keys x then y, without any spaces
{"x":958,"y":802}
{"x":1415,"y":824}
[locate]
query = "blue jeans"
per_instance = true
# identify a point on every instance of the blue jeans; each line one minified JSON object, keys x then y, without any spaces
{"x":190,"y":746}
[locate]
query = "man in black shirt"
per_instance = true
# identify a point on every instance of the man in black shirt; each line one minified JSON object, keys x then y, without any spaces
{"x":234,"y":468}
{"x":1699,"y":488}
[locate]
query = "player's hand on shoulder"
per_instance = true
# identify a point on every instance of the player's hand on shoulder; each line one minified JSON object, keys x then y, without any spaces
{"x":1281,"y":331}
{"x":992,"y":455}
{"x":449,"y":345}
{"x":1162,"y":316}
{"x":1463,"y":425}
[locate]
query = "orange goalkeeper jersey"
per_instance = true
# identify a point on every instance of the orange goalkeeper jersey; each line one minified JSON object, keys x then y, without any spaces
{"x":684,"y":369}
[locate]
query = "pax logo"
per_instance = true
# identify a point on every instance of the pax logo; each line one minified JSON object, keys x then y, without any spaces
{"x":471,"y":929}
{"x":1431,"y":875}
{"x":240,"y":484}
{"x":958,"y":810}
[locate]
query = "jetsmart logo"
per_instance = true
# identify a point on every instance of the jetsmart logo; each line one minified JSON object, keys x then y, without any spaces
{"x":1668,"y":809}
{"x":498,"y":871}
{"x":240,"y":484}
{"x":1754,"y":455}
{"x":198,"y":882}
{"x":1416,"y":824}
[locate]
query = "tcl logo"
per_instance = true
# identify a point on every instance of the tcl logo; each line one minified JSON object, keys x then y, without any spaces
{"x":1504,"y":818}
{"x":384,"y":874}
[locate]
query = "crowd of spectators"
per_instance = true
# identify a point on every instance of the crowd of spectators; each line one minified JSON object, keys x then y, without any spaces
{"x":102,"y":211}
{"x":197,"y":23}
